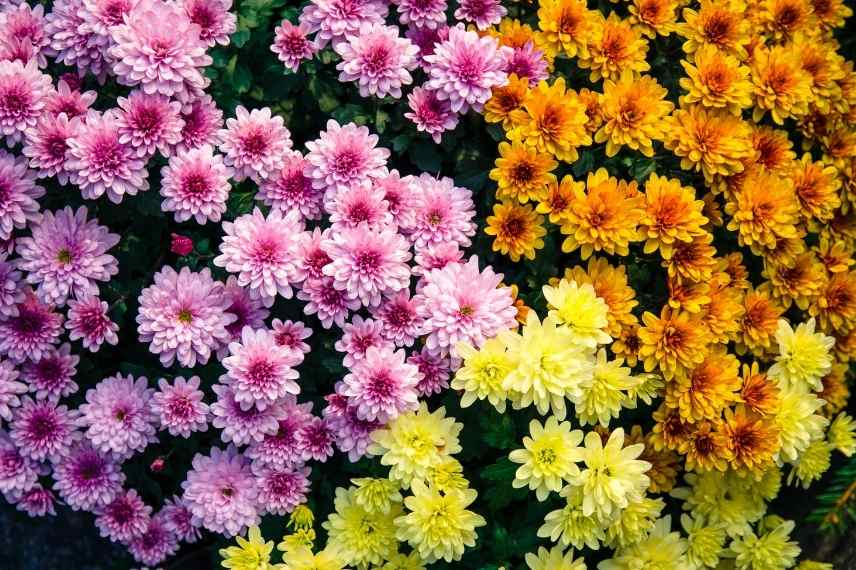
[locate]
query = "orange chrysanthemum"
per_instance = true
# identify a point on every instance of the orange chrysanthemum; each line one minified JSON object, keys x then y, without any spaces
{"x":717,"y":80}
{"x":816,"y":187}
{"x":517,"y":230}
{"x":717,"y":23}
{"x":604,"y":217}
{"x":626,"y":345}
{"x":693,"y":260}
{"x":761,"y":313}
{"x":566,"y":25}
{"x":824,"y":67}
{"x":835,"y":305}
{"x":760,"y":395}
{"x":519,"y":304}
{"x":591,"y":99}
{"x":839,"y":145}
{"x":633,"y":109}
{"x":615,"y":46}
{"x":835,"y":392}
{"x":513,"y":33}
{"x":559,"y":198}
{"x":670,"y":430}
{"x":654,"y":17}
{"x":773,"y":149}
{"x":663,"y":473}
{"x":845,"y":344}
{"x":798,"y":282}
{"x":671,"y":214}
{"x":732,"y":265}
{"x":782,"y":19}
{"x":687,"y":295}
{"x":752,"y":441}
{"x":704,"y":391}
{"x":787,"y":249}
{"x":610,"y":284}
{"x":723,"y":313}
{"x":764,"y":209}
{"x":707,"y":449}
{"x":506,"y":100}
{"x":712,"y":211}
{"x":780,"y":85}
{"x":836,"y":256}
{"x":674,"y":342}
{"x":831,"y":13}
{"x":522,"y":173}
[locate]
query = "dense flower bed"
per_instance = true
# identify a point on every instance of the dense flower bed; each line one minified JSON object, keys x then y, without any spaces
{"x":396,"y":285}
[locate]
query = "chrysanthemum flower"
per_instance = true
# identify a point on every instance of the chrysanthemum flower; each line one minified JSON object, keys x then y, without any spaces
{"x":290,"y":189}
{"x":614,"y":47}
{"x":558,"y":199}
{"x":569,"y":526}
{"x":781,"y":20}
{"x":482,"y":373}
{"x":549,"y":457}
{"x":10,"y":390}
{"x":30,"y":333}
{"x":124,"y":518}
{"x":835,"y":390}
{"x":362,"y":203}
{"x":399,"y":318}
{"x":760,"y":319}
{"x":69,"y":101}
{"x":505,"y":100}
{"x":46,"y":146}
{"x":723,"y":25}
{"x":98,"y":162}
{"x":67,"y":255}
{"x":195,"y":184}
{"x":626,"y":345}
{"x":291,"y":335}
{"x":117,"y":415}
{"x":344,"y":156}
{"x":465,"y":67}
{"x":360,"y":536}
{"x":179,"y":406}
{"x":291,"y":44}
{"x":23,"y":89}
{"x":283,"y":447}
{"x":327,"y":301}
{"x":717,"y":80}
{"x":674,"y":342}
{"x":155,"y":544}
{"x":654,"y":17}
{"x":633,"y":109}
{"x":522,"y":172}
{"x":357,"y":337}
{"x":149,"y":123}
{"x":89,"y":322}
{"x":434,"y":371}
{"x":382,"y":385}
{"x":835,"y":306}
{"x":604,"y":217}
{"x":430,"y":114}
{"x":703,"y":392}
{"x":831,"y":13}
{"x":202,"y":123}
{"x":671,"y":214}
{"x":567,"y":26}
{"x":20,"y":192}
{"x":216,"y":23}
{"x":579,"y":309}
{"x":332,"y":20}
{"x":220,"y":492}
{"x":437,"y":257}
{"x":804,"y":356}
{"x":771,"y":549}
{"x":606,"y":392}
{"x":517,"y":230}
{"x":798,"y":422}
{"x":443,"y":212}
{"x":427,"y":14}
{"x":816,"y":187}
{"x":87,"y":479}
{"x":73,"y":41}
{"x":483,"y":13}
{"x":721,"y":315}
{"x":241,"y":423}
{"x":528,"y":63}
{"x":41,"y":429}
{"x":377,"y":59}
{"x":780,"y":85}
{"x":178,"y":519}
{"x":841,"y":434}
{"x":258,"y":370}
{"x":255,"y":143}
{"x":554,"y":559}
{"x":281,"y":489}
{"x":36,"y":501}
{"x":50,"y":377}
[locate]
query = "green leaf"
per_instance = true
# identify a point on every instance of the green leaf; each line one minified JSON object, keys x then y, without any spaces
{"x":426,"y":157}
{"x":498,"y":433}
{"x":501,"y":471}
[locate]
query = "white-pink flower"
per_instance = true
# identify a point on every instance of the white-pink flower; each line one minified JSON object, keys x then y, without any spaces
{"x":23,"y":89}
{"x":443,"y":213}
{"x":179,"y":406}
{"x":195,"y":184}
{"x":382,"y":385}
{"x":18,"y":194}
{"x":149,"y":123}
{"x":255,"y":143}
{"x":377,"y":59}
{"x":260,"y":371}
{"x":216,"y":23}
{"x":331,"y":20}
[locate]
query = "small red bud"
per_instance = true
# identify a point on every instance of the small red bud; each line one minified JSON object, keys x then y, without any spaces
{"x":72,"y":80}
{"x":181,"y":245}
{"x":157,"y":465}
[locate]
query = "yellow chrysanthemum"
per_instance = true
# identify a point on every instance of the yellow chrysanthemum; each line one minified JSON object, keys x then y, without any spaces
{"x":670,"y":431}
{"x":438,"y":525}
{"x":797,"y":282}
{"x":654,"y":17}
{"x":591,"y":100}
{"x":252,"y":553}
{"x":703,"y":392}
{"x":706,"y":447}
{"x":482,"y":373}
{"x":580,"y":310}
{"x":836,"y":392}
{"x":553,"y":559}
{"x":761,"y":313}
{"x":673,"y":342}
{"x":716,"y":23}
{"x":604,"y":217}
{"x":694,"y":260}
{"x":569,"y":526}
{"x":780,"y":84}
{"x":603,"y":396}
{"x":548,"y":458}
{"x":705,"y":543}
{"x":773,"y":150}
{"x":804,"y":356}
{"x":632,"y":109}
{"x":689,"y":296}
{"x":842,"y":434}
{"x":839,"y":146}
{"x":764,"y":210}
{"x":517,"y":230}
{"x":798,"y":422}
{"x":633,"y":523}
{"x":566,"y":25}
{"x":614,"y":47}
{"x":506,"y":101}
{"x":671,"y":214}
{"x":401,"y":561}
{"x":359,"y":536}
{"x":781,"y":20}
{"x":662,"y":549}
{"x":816,"y":188}
{"x":770,"y":551}
{"x":722,"y":315}
{"x":610,"y":284}
{"x":302,"y":558}
{"x":717,"y":80}
{"x":376,"y":495}
{"x":824,"y":67}
{"x":812,"y":464}
{"x":835,"y":305}
{"x":522,"y":173}
{"x":726,"y":499}
{"x":831,"y":13}
{"x":836,"y":256}
{"x":558,"y":200}
{"x":512,"y":33}
{"x":445,"y":474}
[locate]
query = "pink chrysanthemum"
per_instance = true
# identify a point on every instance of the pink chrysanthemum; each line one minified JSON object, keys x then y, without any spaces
{"x":10,"y":390}
{"x":183,"y":316}
{"x":88,"y":321}
{"x":216,"y":23}
{"x":332,"y":20}
{"x":437,"y":256}
{"x":255,"y":143}
{"x":430,"y":114}
{"x":69,"y":101}
{"x":443,"y":212}
{"x":155,"y":544}
{"x":23,"y":89}
{"x":382,"y":385}
{"x":17,"y":473}
{"x":36,"y":501}
{"x":281,"y":489}
{"x":399,"y":318}
{"x":99,"y":162}
{"x":284,"y":447}
{"x":434,"y":372}
{"x":368,"y":263}
{"x":343,"y":156}
{"x":118,"y":416}
{"x":460,"y":303}
{"x":291,"y":45}
{"x":11,"y":288}
{"x":46,"y":146}
{"x":124,"y":518}
{"x":26,"y":25}
{"x":67,"y":255}
{"x":310,"y":259}
{"x":18,"y":194}
{"x":258,"y":370}
{"x":362,"y":203}
{"x":249,"y":311}
{"x":316,"y":440}
{"x":377,"y":59}
{"x":149,"y":123}
{"x":398,"y":196}
{"x":29,"y":334}
{"x":43,"y":430}
{"x":331,"y":305}
{"x":290,"y":335}
{"x":357,"y":337}
{"x":221,"y":492}
{"x":261,"y":251}
{"x":101,"y":15}
{"x":528,"y":62}
{"x":422,"y":13}
{"x":465,"y":67}
{"x":195,"y":184}
{"x":52,"y":376}
{"x":164,"y":59}
{"x":73,"y":39}
{"x":427,"y":38}
{"x":353,"y":434}
{"x":202,"y":124}
{"x":290,"y":189}
{"x":483,"y":13}
{"x":87,"y":479}
{"x":239,"y":424}
{"x":179,"y":406}
{"x":178,"y":519}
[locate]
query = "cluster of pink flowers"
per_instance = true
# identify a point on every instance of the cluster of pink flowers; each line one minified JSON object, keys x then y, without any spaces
{"x":460,"y":66}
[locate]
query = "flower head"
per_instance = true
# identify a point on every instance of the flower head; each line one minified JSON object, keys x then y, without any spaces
{"x":86,"y":478}
{"x":117,"y":415}
{"x":179,"y":406}
{"x":633,"y":109}
{"x":377,"y":59}
{"x":255,"y":143}
{"x":291,"y":45}
{"x":549,"y":458}
{"x":195,"y":184}
{"x":259,"y":370}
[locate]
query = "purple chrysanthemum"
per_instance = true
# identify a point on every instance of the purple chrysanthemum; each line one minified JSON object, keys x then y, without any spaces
{"x":255,"y":143}
{"x":241,"y":425}
{"x":430,"y":114}
{"x":18,"y":194}
{"x":195,"y":184}
{"x":357,"y":337}
{"x":73,"y":39}
{"x":26,"y":25}
{"x":259,"y":371}
{"x":483,"y":13}
{"x":331,"y":305}
{"x":98,"y":162}
{"x":460,"y":303}
{"x":221,"y":492}
{"x":52,"y":376}
{"x":285,"y":446}
{"x":216,"y":23}
{"x":290,"y":336}
{"x":362,"y":203}
{"x":382,"y":385}
{"x":202,"y":123}
{"x":179,"y":406}
{"x":43,"y":430}
{"x":291,"y":45}
{"x":437,"y":256}
{"x":11,"y":288}
{"x":46,"y":146}
{"x":399,"y":318}
{"x":281,"y":489}
{"x":333,"y":19}
{"x":87,"y":479}
{"x":155,"y":544}
{"x":118,"y":416}
{"x":23,"y":89}
{"x":69,"y":101}
{"x":368,"y":263}
{"x":36,"y":501}
{"x":67,"y":255}
{"x":290,"y":189}
{"x":377,"y":59}
{"x":183,"y":316}
{"x":443,"y":212}
{"x":124,"y":518}
{"x":10,"y":389}
{"x":465,"y":67}
{"x":528,"y":62}
{"x":434,"y":372}
{"x":343,"y":156}
{"x":398,"y":196}
{"x":310,"y":259}
{"x":426,"y":38}
{"x":316,"y":440}
{"x":18,"y":474}
{"x":353,"y":434}
{"x":261,"y":251}
{"x":421,"y":13}
{"x":249,"y":310}
{"x":179,"y":520}
{"x":29,"y":334}
{"x":149,"y":123}
{"x":88,"y":321}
